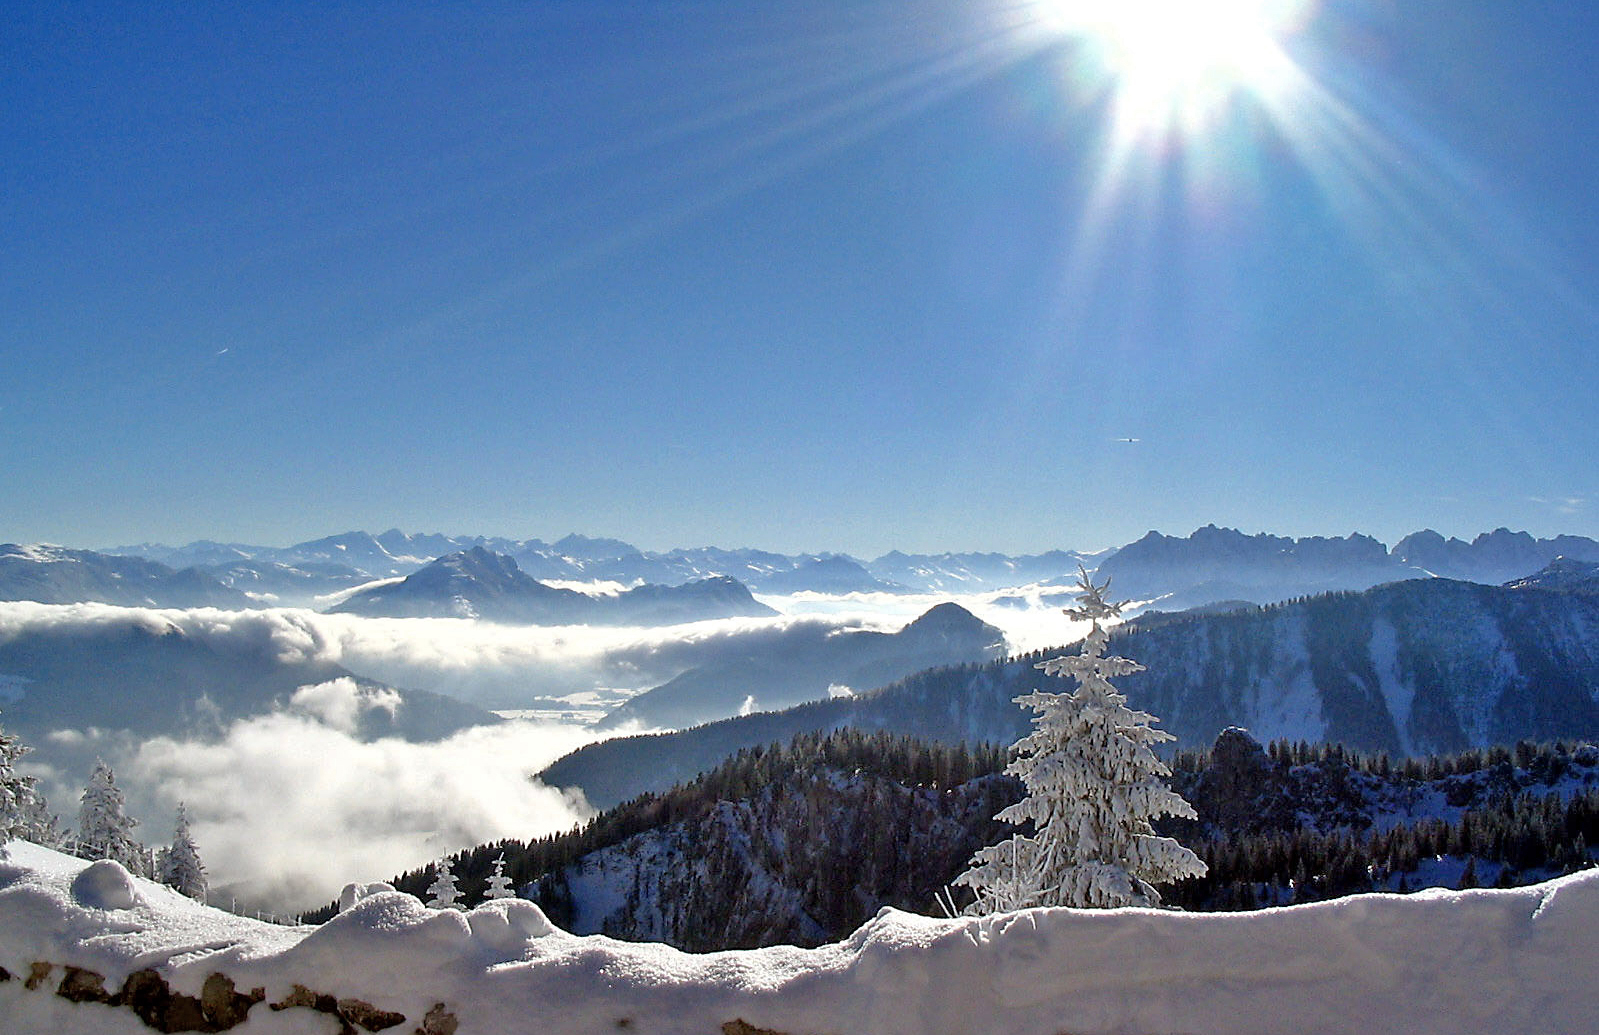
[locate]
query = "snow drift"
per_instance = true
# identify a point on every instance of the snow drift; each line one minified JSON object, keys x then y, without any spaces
{"x":1512,"y":961}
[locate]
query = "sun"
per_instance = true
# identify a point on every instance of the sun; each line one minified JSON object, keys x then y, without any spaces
{"x":1180,"y":62}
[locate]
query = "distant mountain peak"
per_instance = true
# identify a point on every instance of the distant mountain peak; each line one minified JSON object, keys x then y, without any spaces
{"x":593,"y":548}
{"x":1563,"y":573}
{"x":950,"y":623}
{"x":946,"y":616}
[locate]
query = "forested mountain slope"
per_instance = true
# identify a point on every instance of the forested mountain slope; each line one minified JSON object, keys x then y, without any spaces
{"x":801,"y":843}
{"x":1406,"y":668}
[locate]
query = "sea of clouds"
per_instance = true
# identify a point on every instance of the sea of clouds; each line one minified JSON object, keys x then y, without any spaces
{"x":289,"y":806}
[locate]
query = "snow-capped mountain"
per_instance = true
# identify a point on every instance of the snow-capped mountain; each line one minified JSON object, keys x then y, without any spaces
{"x":827,"y":575}
{"x":584,"y":558}
{"x":1492,"y":557}
{"x":478,"y":583}
{"x":1215,"y":564}
{"x":1407,"y":668}
{"x":1224,"y":564}
{"x":806,"y":663}
{"x":976,"y":572}
{"x":1209,"y":565}
{"x":1563,"y":573}
{"x":56,"y":575}
{"x":272,"y":583}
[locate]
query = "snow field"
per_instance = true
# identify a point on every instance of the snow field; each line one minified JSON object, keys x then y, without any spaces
{"x":1452,"y":963}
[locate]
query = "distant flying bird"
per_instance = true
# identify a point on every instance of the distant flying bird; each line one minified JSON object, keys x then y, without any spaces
{"x":221,"y":351}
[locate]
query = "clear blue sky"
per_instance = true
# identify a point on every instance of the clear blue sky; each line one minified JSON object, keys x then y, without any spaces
{"x":846,"y":275}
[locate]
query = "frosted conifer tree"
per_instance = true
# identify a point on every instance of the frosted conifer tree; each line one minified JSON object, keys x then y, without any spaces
{"x":442,"y":893}
{"x":180,"y":866}
{"x":24,"y":815}
{"x":104,"y":829}
{"x":1093,"y":786}
{"x":499,"y":883}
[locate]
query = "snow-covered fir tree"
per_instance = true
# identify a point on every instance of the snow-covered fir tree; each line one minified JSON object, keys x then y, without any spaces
{"x":104,"y":829}
{"x":179,"y":865}
{"x":1093,"y":785}
{"x":24,"y":814}
{"x":499,"y":884}
{"x":442,"y":893}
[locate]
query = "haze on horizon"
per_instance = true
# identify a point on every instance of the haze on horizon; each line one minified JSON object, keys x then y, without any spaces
{"x":853,"y":276}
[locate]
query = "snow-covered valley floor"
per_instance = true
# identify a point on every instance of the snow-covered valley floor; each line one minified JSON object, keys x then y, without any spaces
{"x":1499,"y":961}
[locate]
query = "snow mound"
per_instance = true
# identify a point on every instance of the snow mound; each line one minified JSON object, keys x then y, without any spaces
{"x":508,"y":924}
{"x":1510,"y":962}
{"x":354,"y":893}
{"x":104,"y":885}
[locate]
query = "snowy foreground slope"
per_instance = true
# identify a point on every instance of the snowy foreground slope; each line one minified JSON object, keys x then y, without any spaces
{"x":1460,"y":962}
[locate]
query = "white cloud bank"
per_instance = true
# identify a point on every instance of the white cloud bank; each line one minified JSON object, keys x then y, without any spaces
{"x":340,"y":703}
{"x":505,"y":666}
{"x":286,"y":810}
{"x":288,"y":807}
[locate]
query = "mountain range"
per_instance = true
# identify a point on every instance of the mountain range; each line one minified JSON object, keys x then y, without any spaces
{"x":583,"y":558}
{"x":811,"y":662}
{"x":1405,"y":668}
{"x":1208,"y":565}
{"x":1216,"y":564}
{"x":478,"y":583}
{"x":56,"y":575}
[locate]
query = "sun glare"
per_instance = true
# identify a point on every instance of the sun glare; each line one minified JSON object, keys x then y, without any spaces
{"x":1178,"y":63}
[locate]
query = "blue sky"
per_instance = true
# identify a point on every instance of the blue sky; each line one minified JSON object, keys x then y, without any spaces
{"x":828,"y":276}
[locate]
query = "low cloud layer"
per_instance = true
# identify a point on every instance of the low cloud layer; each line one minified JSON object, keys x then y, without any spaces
{"x":496,"y":666}
{"x":289,"y":806}
{"x":1029,"y":616}
{"x":286,"y":810}
{"x":340,"y":703}
{"x":502,"y":666}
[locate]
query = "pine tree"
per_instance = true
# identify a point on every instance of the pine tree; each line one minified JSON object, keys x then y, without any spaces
{"x":104,"y":830}
{"x":1093,"y":786}
{"x":24,"y":814}
{"x":180,"y":865}
{"x":442,"y":893}
{"x":499,"y":883}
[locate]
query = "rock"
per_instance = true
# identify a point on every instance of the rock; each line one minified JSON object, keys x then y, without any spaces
{"x":742,"y":1027}
{"x":1240,"y":790}
{"x":38,"y":974}
{"x":365,"y":1015}
{"x":222,"y":1005}
{"x":438,"y":1021}
{"x":83,"y":986}
{"x":350,"y":1013}
{"x":304,"y":997}
{"x":148,"y":996}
